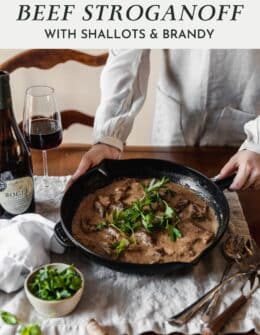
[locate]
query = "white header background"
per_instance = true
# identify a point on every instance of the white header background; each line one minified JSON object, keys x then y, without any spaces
{"x":243,"y":33}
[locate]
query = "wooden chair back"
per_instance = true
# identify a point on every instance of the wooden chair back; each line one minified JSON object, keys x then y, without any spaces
{"x":48,"y":58}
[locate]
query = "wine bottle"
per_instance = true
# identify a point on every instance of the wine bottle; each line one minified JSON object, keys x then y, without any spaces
{"x":16,"y":178}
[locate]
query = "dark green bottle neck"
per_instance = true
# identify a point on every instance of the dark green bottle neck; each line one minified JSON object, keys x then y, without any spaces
{"x":5,"y":92}
{"x":7,"y":115}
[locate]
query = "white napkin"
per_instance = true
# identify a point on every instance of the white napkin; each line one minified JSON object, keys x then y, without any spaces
{"x":25,"y":242}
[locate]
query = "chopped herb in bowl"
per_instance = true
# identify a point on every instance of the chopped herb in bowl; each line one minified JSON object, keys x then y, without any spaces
{"x":55,"y":289}
{"x":51,"y":284}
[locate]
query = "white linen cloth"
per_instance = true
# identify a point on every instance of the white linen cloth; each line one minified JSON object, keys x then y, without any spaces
{"x":132,"y":304}
{"x":25,"y":240}
{"x":204,"y":97}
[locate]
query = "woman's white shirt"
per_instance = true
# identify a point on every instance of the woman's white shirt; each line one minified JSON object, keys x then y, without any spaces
{"x":204,"y":97}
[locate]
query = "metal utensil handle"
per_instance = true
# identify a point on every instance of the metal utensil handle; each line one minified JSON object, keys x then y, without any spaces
{"x":208,"y":313}
{"x":219,"y":322}
{"x":192,"y":309}
{"x":184,"y":316}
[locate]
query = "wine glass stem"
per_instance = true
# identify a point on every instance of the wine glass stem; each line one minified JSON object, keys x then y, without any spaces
{"x":45,"y":166}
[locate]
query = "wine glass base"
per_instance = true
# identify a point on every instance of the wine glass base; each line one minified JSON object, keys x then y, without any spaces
{"x":48,"y":194}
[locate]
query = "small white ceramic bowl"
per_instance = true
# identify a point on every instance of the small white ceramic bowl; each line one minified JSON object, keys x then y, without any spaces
{"x":53,"y":309}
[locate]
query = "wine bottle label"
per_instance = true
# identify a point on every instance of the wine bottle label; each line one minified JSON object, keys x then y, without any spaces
{"x":16,"y":195}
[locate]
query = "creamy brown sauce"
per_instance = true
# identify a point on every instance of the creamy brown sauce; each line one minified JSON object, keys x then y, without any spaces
{"x":198,"y":224}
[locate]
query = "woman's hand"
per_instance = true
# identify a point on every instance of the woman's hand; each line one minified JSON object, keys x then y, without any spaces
{"x":246,"y":165}
{"x":93,"y":157}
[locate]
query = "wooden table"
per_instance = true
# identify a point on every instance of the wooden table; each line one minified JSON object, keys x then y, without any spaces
{"x":65,"y":159}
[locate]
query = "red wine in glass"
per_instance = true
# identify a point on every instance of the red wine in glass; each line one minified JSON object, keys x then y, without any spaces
{"x":42,"y":124}
{"x":44,"y":134}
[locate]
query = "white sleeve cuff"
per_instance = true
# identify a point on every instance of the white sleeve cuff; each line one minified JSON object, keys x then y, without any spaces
{"x":251,"y":146}
{"x":109,"y":140}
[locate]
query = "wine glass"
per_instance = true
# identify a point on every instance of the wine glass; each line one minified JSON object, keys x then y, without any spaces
{"x":42,"y":123}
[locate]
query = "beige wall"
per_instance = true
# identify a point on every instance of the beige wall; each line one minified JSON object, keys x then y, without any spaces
{"x":77,"y":86}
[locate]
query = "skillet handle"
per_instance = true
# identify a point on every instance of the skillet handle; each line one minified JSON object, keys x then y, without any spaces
{"x":61,"y":236}
{"x":101,"y":168}
{"x":224,"y":183}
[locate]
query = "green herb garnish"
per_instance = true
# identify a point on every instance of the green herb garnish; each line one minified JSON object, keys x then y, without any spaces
{"x":101,"y":225}
{"x":50,"y":284}
{"x":156,"y":185}
{"x":174,"y":233}
{"x":143,"y":213}
{"x":120,"y":246}
{"x":8,"y":318}
{"x":33,"y":329}
{"x":11,"y":319}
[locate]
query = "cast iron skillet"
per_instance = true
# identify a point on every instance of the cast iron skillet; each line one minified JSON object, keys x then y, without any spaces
{"x":109,"y":170}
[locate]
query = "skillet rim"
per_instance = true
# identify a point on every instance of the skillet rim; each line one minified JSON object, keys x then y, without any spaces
{"x":138,"y":267}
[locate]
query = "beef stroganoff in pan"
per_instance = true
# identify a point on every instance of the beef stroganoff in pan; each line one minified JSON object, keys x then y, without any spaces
{"x":145,"y":221}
